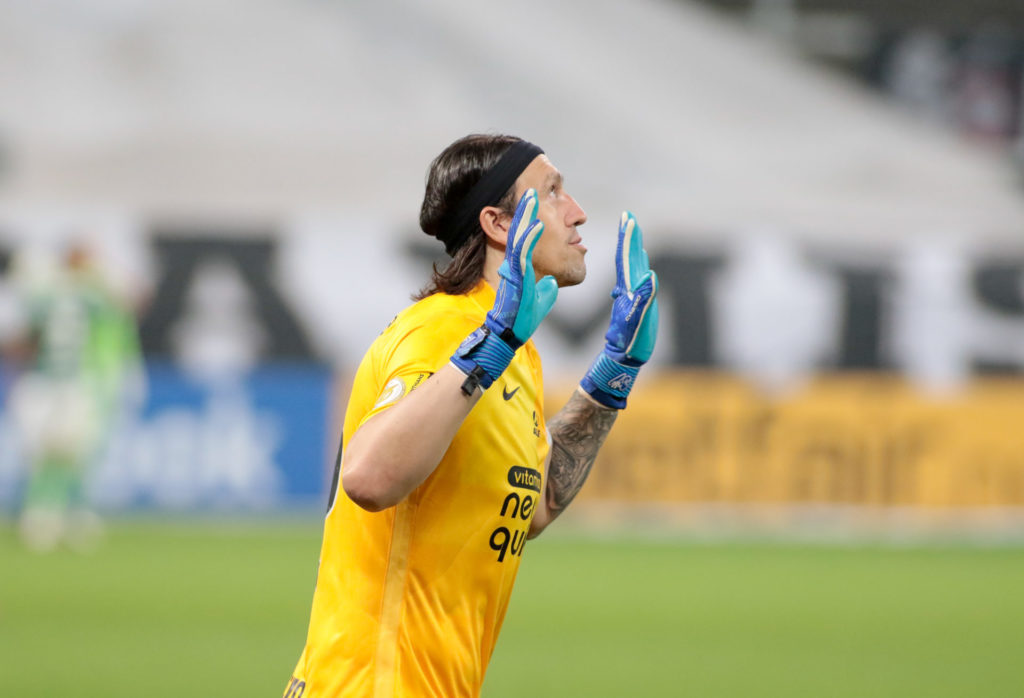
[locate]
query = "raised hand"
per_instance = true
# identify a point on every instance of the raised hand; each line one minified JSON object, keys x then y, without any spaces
{"x":520,"y":305}
{"x":521,"y":301}
{"x":633,"y":329}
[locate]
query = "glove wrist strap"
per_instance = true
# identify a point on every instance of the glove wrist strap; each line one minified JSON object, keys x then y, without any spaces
{"x":482,"y":357}
{"x":608,"y":381}
{"x":505,"y":333}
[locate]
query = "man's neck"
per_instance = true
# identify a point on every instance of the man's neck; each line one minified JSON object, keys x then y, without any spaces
{"x":492,"y":261}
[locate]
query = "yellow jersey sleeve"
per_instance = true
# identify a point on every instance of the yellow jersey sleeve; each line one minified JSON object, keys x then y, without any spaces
{"x":412,"y":349}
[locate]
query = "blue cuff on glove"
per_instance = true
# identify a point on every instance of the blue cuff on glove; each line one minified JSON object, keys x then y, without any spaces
{"x":482,"y":356}
{"x":609,"y":381}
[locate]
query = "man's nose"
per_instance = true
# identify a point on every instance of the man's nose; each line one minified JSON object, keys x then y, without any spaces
{"x":576,"y":215}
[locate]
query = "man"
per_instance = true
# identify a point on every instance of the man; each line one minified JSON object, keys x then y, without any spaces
{"x":448,"y":463}
{"x":85,"y":365}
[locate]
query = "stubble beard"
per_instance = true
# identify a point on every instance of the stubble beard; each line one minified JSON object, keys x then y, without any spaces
{"x":572,"y":275}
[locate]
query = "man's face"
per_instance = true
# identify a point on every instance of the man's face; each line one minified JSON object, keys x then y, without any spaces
{"x":560,"y":250}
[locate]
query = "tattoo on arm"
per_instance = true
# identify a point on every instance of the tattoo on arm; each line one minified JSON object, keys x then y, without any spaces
{"x":577,"y":433}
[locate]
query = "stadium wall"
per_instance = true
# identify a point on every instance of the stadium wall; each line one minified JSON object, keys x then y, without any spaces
{"x":784,"y":374}
{"x":865,"y":440}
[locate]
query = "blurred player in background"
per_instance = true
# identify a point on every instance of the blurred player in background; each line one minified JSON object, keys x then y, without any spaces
{"x":449,"y":463}
{"x":82,"y":355}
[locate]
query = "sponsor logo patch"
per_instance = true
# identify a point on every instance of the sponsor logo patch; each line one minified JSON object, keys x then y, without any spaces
{"x":516,"y":512}
{"x":392,"y":391}
{"x":524,"y":478}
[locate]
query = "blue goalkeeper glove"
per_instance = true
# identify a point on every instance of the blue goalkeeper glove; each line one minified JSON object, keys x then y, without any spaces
{"x":634,"y":324}
{"x":519,"y":307}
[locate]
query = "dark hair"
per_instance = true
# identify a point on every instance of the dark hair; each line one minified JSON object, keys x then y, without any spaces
{"x":452,"y":174}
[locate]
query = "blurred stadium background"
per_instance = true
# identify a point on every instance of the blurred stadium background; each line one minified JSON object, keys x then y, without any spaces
{"x":818,"y":488}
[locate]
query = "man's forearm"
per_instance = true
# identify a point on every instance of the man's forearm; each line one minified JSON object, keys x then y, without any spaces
{"x":396,"y":450}
{"x":577,"y":432}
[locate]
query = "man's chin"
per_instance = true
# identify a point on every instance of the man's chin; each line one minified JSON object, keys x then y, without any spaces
{"x":571,"y":278}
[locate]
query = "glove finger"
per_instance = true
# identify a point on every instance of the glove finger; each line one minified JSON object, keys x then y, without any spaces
{"x":626,"y":225}
{"x":525,"y":215}
{"x":642,"y":344}
{"x":537,"y":301}
{"x":636,"y":257}
{"x":647,"y":287}
{"x":547,"y":293}
{"x":525,"y":255}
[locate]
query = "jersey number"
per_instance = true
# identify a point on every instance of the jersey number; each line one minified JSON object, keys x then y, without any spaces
{"x":295,"y":688}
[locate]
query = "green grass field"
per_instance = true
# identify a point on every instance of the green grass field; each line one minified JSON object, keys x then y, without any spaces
{"x":189,"y":609}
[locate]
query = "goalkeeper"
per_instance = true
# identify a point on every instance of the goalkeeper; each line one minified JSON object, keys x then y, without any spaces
{"x":448,"y":463}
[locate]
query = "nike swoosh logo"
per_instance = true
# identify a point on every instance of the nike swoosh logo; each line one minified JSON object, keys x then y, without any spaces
{"x":507,"y":395}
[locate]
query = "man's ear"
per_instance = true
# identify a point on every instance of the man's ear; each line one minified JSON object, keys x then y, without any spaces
{"x":494,"y":223}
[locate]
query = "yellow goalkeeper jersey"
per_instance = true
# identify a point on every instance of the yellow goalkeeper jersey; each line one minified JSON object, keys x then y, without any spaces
{"x":409,"y":600}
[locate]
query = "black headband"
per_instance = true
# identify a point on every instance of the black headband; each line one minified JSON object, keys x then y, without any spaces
{"x":460,"y":224}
